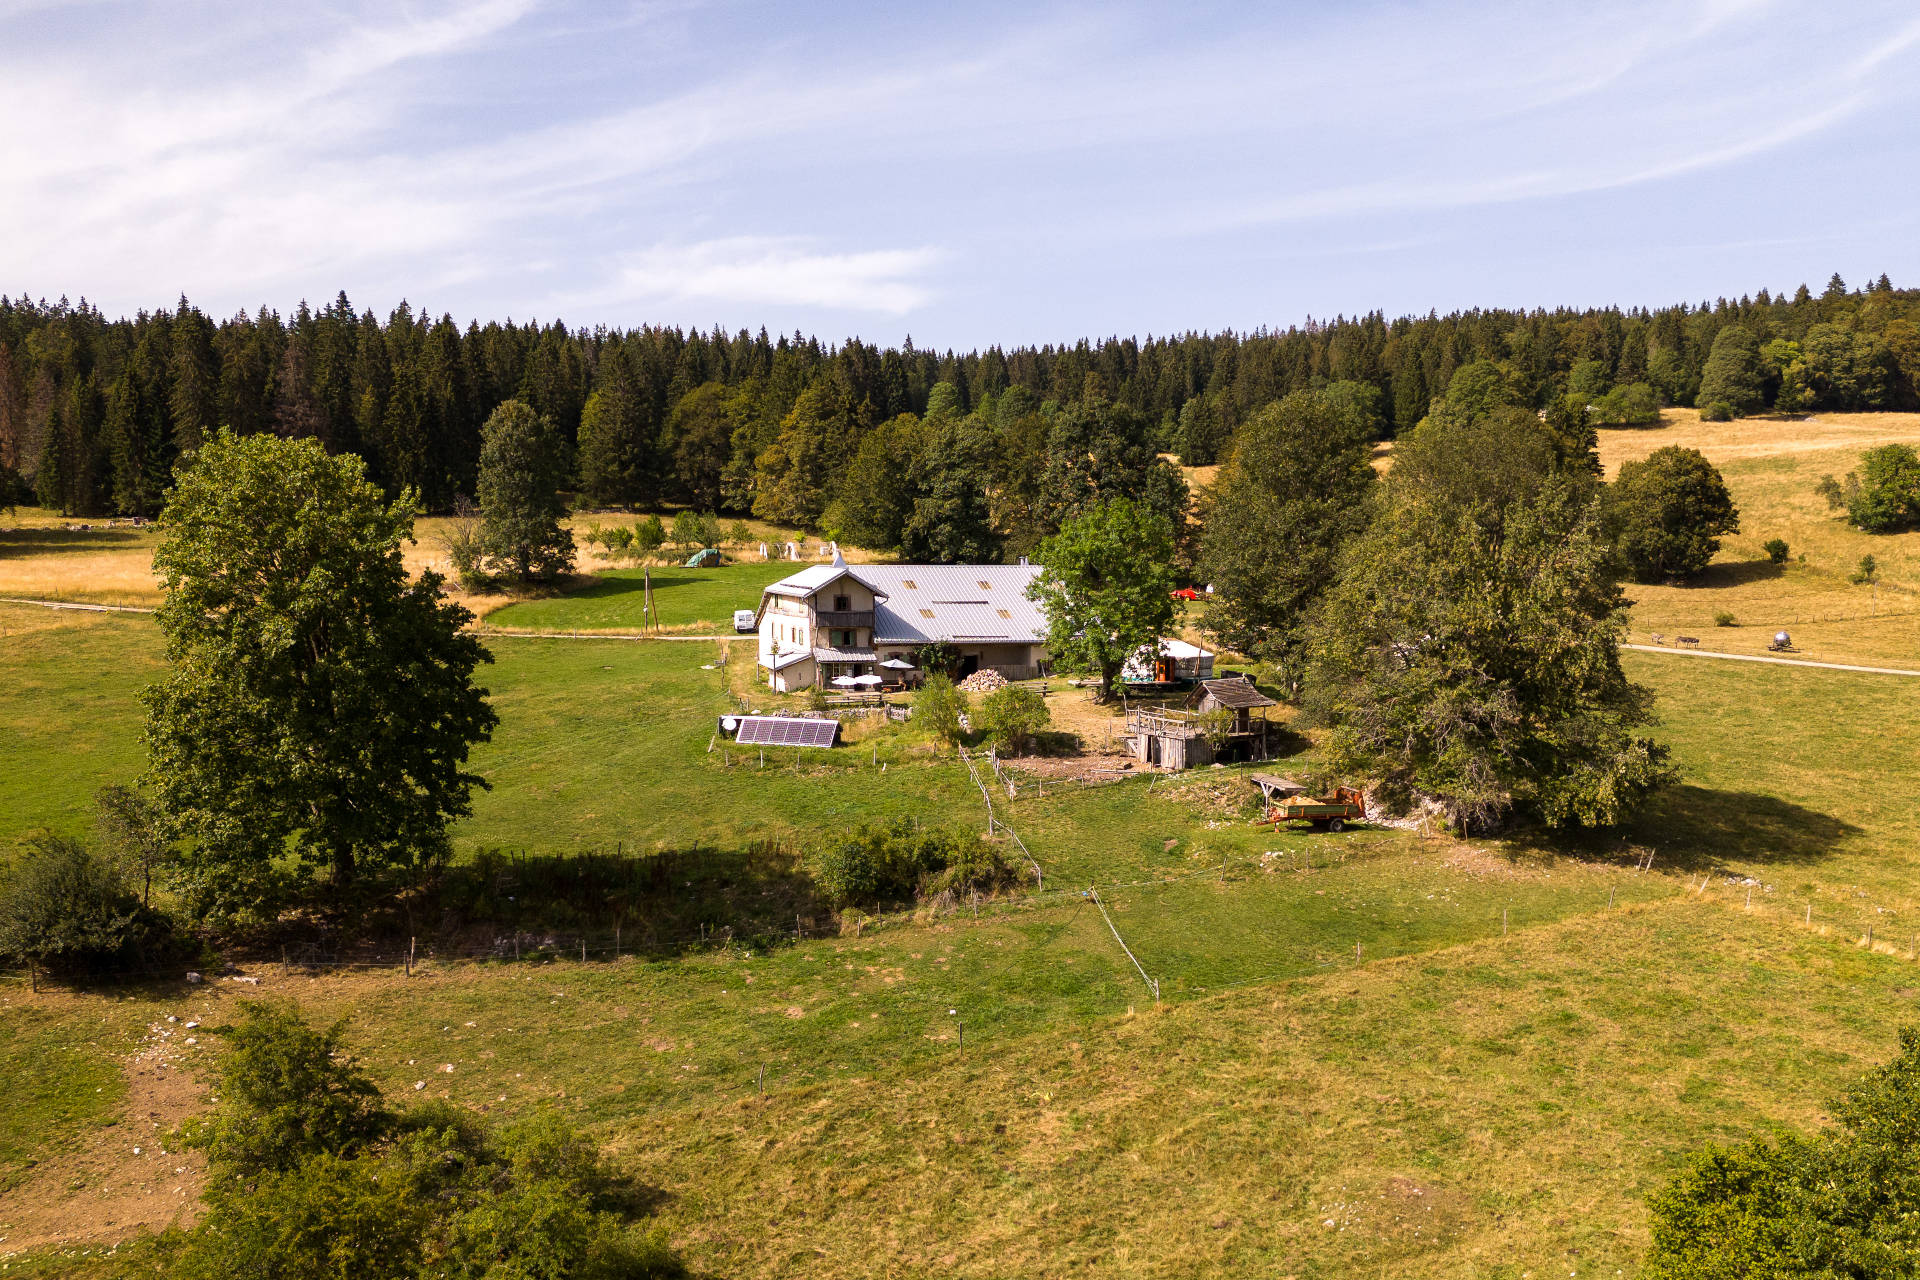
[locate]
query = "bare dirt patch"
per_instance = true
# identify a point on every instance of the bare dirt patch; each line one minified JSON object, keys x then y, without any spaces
{"x":132,"y":1176}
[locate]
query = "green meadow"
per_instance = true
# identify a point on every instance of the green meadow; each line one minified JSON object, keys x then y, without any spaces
{"x":615,"y":599}
{"x":1378,"y":1051}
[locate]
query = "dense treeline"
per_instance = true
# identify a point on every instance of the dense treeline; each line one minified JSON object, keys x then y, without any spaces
{"x":936,"y":454}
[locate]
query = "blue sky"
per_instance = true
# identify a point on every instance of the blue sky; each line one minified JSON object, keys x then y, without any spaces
{"x":963,"y":175}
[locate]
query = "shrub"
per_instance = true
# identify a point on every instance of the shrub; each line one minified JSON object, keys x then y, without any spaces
{"x":348,"y":1188}
{"x":739,"y":534}
{"x":1724,"y":620}
{"x":973,"y":866}
{"x":1829,"y":489}
{"x":1883,"y":496}
{"x":938,"y":707}
{"x":69,"y":910}
{"x":290,"y":1094}
{"x":1776,"y":549}
{"x":1716,"y":411}
{"x":938,"y":658}
{"x":649,"y":536}
{"x":1634,"y":405}
{"x":890,"y":862}
{"x":1869,"y":567}
{"x":1011,"y":716}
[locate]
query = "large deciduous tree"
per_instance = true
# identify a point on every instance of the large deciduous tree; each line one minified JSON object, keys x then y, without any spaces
{"x":952,"y":517}
{"x":319,"y":706}
{"x":1097,"y":452}
{"x":1469,"y":652}
{"x":1668,"y":512}
{"x":1106,"y":584}
{"x":1733,"y":374}
{"x":523,"y":463}
{"x":1274,"y":522}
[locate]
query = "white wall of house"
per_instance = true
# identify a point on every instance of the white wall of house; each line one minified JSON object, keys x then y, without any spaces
{"x":785,"y":625}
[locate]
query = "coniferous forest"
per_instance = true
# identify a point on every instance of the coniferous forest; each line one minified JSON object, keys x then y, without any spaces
{"x":938,"y":455}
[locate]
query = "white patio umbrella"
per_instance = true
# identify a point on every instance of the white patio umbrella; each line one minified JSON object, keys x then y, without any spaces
{"x":868,"y":680}
{"x":848,"y":681}
{"x":898,"y":664}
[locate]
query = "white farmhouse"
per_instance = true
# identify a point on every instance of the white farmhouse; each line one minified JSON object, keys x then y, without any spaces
{"x":838,"y":619}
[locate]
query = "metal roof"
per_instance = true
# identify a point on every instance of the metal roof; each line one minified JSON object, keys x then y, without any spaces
{"x":811,"y":579}
{"x":781,"y":661}
{"x":823,"y":653}
{"x":923,"y":603}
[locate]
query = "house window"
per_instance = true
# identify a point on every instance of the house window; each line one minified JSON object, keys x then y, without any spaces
{"x":841,"y":604}
{"x":843,"y":640}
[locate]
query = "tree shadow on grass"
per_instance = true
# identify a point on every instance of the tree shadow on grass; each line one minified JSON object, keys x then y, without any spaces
{"x":607,"y":584}
{"x":1744,"y":573}
{"x":1694,"y":829}
{"x":660,"y":902}
{"x":17,"y":542}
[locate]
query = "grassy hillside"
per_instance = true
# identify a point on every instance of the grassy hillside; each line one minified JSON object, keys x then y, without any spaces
{"x":1772,"y":466}
{"x":1375,"y":1053}
{"x":1457,"y":1097}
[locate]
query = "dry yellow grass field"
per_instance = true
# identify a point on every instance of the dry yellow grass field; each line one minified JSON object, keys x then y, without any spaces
{"x":47,"y":556}
{"x":1772,"y":465}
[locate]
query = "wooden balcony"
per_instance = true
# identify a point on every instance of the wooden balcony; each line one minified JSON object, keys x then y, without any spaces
{"x":850,"y":618}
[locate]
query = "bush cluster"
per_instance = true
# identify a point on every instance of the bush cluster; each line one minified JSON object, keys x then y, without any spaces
{"x":892,"y":862}
{"x":938,"y":708}
{"x":312,"y":1174}
{"x":69,"y":909}
{"x":1883,"y":494}
{"x":1012,"y":716}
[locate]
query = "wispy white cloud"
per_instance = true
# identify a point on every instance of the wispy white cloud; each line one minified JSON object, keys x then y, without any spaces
{"x":753,"y":271}
{"x":510,"y":154}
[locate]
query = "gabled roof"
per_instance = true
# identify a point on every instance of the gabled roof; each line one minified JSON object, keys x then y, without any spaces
{"x":917,"y":604}
{"x":813,"y":579}
{"x":1237,"y":693}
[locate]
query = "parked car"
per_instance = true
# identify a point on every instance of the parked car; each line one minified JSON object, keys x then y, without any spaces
{"x":743,"y":620}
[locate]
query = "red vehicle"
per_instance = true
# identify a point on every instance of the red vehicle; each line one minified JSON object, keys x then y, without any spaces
{"x":1186,"y":593}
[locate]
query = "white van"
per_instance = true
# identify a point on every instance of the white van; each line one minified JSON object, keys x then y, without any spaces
{"x":743,"y":620}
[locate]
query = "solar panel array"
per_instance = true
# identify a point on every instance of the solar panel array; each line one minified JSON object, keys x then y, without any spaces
{"x":786,"y":731}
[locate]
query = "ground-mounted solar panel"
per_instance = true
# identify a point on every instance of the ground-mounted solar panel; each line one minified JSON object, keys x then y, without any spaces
{"x":786,"y":731}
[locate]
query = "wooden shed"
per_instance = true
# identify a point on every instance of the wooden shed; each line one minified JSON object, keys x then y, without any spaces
{"x":1235,"y":694}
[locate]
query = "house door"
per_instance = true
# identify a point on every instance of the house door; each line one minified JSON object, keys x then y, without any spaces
{"x":968,"y":665}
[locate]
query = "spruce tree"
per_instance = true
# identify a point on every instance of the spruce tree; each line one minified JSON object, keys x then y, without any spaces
{"x":197,"y":378}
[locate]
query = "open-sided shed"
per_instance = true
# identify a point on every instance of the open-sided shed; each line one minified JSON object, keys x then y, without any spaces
{"x":1235,"y":694}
